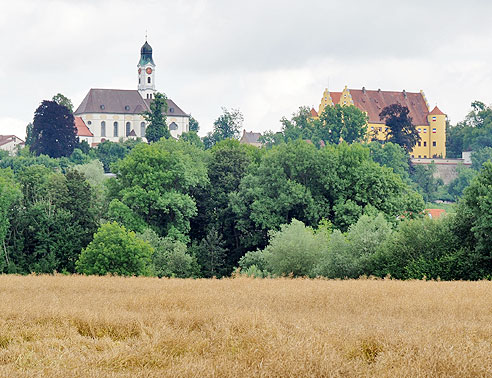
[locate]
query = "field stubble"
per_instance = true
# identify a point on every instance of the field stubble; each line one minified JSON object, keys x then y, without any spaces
{"x":62,"y":326}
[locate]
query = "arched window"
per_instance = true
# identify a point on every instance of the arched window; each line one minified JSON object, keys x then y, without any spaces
{"x":115,"y":131}
{"x":148,"y":80}
{"x":142,"y":129}
{"x":173,"y":126}
{"x":103,"y":128}
{"x":128,"y":127}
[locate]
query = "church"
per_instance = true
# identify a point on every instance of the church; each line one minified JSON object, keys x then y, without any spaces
{"x":431,"y":125}
{"x":112,"y":114}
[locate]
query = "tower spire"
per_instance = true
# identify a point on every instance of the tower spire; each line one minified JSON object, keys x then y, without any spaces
{"x":146,"y":71}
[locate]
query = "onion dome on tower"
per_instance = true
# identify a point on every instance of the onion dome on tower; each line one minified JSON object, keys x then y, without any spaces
{"x":146,"y":55}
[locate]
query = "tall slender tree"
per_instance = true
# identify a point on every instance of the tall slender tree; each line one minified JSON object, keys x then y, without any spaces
{"x":156,"y":117}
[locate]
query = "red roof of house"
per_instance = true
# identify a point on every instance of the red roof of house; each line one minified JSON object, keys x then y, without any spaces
{"x":82,"y":129}
{"x":435,"y":213}
{"x":436,"y":111}
{"x":4,"y":139}
{"x":374,"y":101}
{"x":314,"y":113}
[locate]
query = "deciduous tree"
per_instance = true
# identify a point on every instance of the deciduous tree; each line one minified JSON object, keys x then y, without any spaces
{"x":401,"y":129}
{"x":54,"y":133}
{"x":118,"y":251}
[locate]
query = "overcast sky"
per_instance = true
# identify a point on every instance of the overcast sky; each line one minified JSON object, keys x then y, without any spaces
{"x":266,"y":58}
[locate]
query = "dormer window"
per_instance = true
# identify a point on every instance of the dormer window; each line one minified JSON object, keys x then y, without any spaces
{"x":127,"y":107}
{"x":102,"y":107}
{"x":171,"y":110}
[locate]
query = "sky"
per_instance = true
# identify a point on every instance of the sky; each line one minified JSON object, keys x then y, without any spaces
{"x":266,"y":58}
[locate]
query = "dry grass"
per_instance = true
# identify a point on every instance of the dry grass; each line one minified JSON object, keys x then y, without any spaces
{"x":142,"y":327}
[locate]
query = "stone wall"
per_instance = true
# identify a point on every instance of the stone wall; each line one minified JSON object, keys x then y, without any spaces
{"x":446,"y":169}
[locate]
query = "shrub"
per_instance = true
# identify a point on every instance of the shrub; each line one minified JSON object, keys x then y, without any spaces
{"x":418,"y":248}
{"x":349,"y":255}
{"x":170,"y":258}
{"x":295,"y":249}
{"x":116,"y":250}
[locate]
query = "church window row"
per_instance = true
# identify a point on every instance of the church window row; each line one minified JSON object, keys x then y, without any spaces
{"x":128,"y":128}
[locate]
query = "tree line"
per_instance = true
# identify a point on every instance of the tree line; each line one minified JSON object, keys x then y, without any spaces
{"x":203,"y":207}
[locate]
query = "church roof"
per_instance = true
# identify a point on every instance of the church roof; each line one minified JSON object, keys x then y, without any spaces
{"x":146,"y":55}
{"x":173,"y":110}
{"x":374,"y":101}
{"x":82,"y":129}
{"x":436,"y":111}
{"x":121,"y":101}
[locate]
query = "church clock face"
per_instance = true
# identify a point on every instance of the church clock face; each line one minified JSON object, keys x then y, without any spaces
{"x":148,"y":70}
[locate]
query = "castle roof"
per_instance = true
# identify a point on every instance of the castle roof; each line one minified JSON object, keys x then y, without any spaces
{"x":314,"y":113}
{"x":82,"y":129}
{"x":374,"y":101}
{"x":121,"y":101}
{"x":436,"y":111}
{"x":335,"y":97}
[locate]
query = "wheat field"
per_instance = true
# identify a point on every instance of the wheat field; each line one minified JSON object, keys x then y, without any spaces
{"x":76,"y":326}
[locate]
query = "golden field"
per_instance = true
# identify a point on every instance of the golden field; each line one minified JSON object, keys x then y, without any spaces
{"x":71,"y":326}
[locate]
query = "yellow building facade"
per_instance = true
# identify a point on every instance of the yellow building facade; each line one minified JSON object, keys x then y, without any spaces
{"x":431,"y":125}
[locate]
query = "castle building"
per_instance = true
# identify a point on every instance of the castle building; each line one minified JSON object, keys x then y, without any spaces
{"x":112,"y":114}
{"x":431,"y":125}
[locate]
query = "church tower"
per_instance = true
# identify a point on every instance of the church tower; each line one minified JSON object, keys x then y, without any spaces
{"x":146,"y":72}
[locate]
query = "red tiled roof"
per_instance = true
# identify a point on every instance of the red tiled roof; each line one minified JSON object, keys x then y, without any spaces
{"x":82,"y":129}
{"x":314,"y":113}
{"x":335,"y":97}
{"x":373,"y":102}
{"x":436,"y":111}
{"x":435,"y":213}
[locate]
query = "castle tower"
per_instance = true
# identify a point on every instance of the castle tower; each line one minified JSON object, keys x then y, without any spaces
{"x":146,"y":72}
{"x":437,"y":122}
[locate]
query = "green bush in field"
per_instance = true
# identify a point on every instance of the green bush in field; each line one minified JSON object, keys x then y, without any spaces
{"x":295,"y":249}
{"x":117,"y":251}
{"x":170,"y":258}
{"x":349,"y":254}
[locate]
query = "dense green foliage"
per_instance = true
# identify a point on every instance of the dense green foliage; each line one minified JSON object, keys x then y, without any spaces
{"x":329,"y":206}
{"x":334,"y":125}
{"x":472,"y":134}
{"x":226,"y":126}
{"x":117,"y":251}
{"x":155,"y":181}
